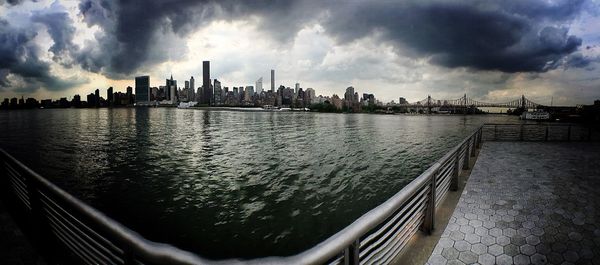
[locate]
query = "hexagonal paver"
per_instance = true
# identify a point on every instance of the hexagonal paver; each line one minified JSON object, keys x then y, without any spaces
{"x":495,"y":250}
{"x":450,"y":253}
{"x":571,"y":256}
{"x":468,"y":257}
{"x":527,"y":249}
{"x":521,"y":259}
{"x":462,"y":245}
{"x":472,"y":238}
{"x":457,"y":235}
{"x":481,"y":231}
{"x":532,"y":240}
{"x":479,"y":248}
{"x":486,"y":259}
{"x":475,"y":223}
{"x":488,"y":240}
{"x":538,"y":259}
{"x":495,"y":232}
{"x":504,"y":260}
{"x":575,"y":236}
{"x":509,"y":232}
{"x":511,"y":250}
{"x":502,"y":240}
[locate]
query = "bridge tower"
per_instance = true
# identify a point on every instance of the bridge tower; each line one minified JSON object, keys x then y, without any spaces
{"x":428,"y":104}
{"x":523,"y":102}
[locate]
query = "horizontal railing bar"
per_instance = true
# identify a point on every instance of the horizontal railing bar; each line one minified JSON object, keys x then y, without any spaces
{"x":55,"y":207}
{"x":88,"y":240}
{"x":73,"y":246}
{"x":416,"y":205}
{"x":409,"y":205}
{"x":404,"y":235}
{"x":76,"y":239}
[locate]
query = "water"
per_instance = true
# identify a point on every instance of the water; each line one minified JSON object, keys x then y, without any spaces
{"x":231,"y":184}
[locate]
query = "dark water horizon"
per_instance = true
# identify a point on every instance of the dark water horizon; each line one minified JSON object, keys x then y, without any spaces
{"x":228,"y":184}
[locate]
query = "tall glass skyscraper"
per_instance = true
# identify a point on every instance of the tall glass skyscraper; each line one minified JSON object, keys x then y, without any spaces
{"x":207,"y":93}
{"x":272,"y":80}
{"x":142,"y":89}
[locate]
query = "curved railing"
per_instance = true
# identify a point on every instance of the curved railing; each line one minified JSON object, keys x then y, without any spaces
{"x":62,"y":222}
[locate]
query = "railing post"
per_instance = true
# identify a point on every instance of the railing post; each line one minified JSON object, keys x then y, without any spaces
{"x":521,"y":133}
{"x":455,"y":172}
{"x":546,"y":137}
{"x":495,"y":132}
{"x":479,"y":139}
{"x":429,"y":220}
{"x":466,"y":158}
{"x":474,"y":140}
{"x":590,"y":133}
{"x":569,"y":133}
{"x":351,"y":253}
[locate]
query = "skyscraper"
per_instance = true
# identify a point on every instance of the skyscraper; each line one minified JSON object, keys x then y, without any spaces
{"x":259,"y":84}
{"x":191,"y":93}
{"x":109,"y":95}
{"x":296,"y":88}
{"x":208,"y":93}
{"x":97,"y":97}
{"x":129,"y":95}
{"x":170,"y":85}
{"x":272,"y":80}
{"x":142,"y":89}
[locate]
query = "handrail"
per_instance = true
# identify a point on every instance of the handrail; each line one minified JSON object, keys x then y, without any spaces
{"x":537,"y":132}
{"x":345,"y":242}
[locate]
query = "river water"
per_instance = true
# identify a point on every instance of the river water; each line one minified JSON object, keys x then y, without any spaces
{"x":227,"y":183}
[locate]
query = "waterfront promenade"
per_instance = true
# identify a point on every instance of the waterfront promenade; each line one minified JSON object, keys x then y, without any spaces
{"x":527,"y":203}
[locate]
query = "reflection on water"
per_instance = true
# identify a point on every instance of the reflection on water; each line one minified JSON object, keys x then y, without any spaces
{"x":231,"y":184}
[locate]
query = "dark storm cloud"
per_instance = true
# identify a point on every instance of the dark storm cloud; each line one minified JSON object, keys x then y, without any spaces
{"x":19,"y":56}
{"x":511,"y":36}
{"x":61,"y":30}
{"x":133,"y":31}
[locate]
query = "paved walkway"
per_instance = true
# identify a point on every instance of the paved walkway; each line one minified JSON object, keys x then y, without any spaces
{"x":527,"y":203}
{"x":14,"y":246}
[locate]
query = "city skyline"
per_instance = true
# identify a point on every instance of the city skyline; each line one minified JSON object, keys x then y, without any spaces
{"x":57,"y":48}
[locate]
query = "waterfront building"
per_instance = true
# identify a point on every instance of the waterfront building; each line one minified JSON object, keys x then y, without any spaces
{"x":296,"y":88}
{"x":218,"y":94}
{"x":206,"y":86}
{"x":259,"y":85}
{"x":130,"y":95}
{"x":272,"y":80}
{"x":402,"y":101}
{"x":142,"y":89}
{"x":191,"y":95}
{"x":310,"y":95}
{"x":109,"y":95}
{"x":349,"y":95}
{"x":170,"y":84}
{"x":97,"y":97}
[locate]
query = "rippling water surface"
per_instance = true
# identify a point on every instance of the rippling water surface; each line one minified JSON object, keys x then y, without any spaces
{"x":231,"y":184}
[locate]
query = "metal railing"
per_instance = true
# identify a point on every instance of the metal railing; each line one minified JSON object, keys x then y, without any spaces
{"x":60,"y":220}
{"x":538,"y":132}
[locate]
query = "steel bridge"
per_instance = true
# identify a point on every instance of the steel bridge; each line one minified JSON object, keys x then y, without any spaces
{"x":464,"y":102}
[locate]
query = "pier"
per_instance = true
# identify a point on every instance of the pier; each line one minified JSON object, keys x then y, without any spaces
{"x":529,"y":199}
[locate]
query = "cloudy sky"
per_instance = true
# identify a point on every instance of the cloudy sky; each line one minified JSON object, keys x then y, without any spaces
{"x":491,"y":50}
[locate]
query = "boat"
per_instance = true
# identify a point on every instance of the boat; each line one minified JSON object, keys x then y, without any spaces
{"x":270,"y":108}
{"x":535,"y":115}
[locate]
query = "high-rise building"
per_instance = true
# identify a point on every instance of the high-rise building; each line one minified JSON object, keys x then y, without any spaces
{"x":349,"y":95}
{"x":218,"y":95}
{"x":191,"y":96}
{"x":187,"y":84}
{"x":142,"y":89}
{"x":259,"y":84}
{"x":129,"y":95}
{"x":109,"y":95}
{"x":310,"y":95}
{"x":170,"y":85}
{"x":97,"y":97}
{"x":272,"y":80}
{"x":296,"y":88}
{"x":208,"y":93}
